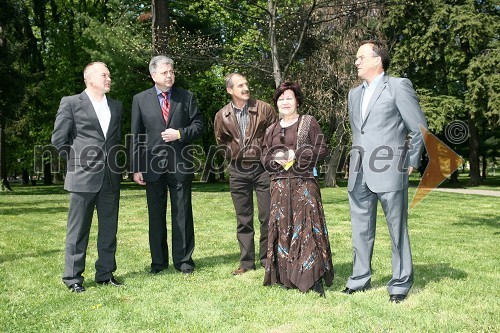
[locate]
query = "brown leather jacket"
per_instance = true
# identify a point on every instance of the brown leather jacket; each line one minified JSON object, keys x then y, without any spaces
{"x":228,"y":136}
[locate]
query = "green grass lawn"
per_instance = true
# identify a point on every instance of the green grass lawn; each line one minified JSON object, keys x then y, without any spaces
{"x":454,"y":237}
{"x":491,"y":183}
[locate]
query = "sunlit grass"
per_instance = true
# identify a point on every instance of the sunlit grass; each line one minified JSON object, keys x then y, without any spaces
{"x":454,"y":241}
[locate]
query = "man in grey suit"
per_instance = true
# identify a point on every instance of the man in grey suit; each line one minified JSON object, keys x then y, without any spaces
{"x":87,"y":131}
{"x":387,"y":143}
{"x":165,"y":121}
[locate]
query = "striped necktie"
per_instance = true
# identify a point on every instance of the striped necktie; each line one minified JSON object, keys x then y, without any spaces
{"x":165,"y":106}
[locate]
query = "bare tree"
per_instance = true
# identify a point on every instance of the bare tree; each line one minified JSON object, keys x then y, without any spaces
{"x":329,"y":73}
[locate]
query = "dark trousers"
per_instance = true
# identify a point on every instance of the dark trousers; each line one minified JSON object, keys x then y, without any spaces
{"x":182,"y":222}
{"x":243,"y":180}
{"x":81,"y":210}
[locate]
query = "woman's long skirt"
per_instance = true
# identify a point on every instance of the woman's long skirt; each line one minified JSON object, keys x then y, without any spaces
{"x":298,"y":252}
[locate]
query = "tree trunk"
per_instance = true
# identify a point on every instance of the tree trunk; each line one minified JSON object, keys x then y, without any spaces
{"x":25,"y":177}
{"x":331,"y":169}
{"x":3,"y":169}
{"x":160,"y":25}
{"x":47,"y":174}
{"x":209,"y":171}
{"x":484,"y":172}
{"x":454,"y":178}
{"x":271,"y":7}
{"x":475,"y":177}
{"x":222,"y":177}
{"x":335,"y":159}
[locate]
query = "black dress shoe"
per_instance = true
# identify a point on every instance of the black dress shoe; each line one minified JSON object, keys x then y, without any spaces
{"x":112,"y":281}
{"x":349,"y":291}
{"x":77,"y":288}
{"x":187,"y":271}
{"x":155,"y":271}
{"x":318,"y":287}
{"x":397,"y":298}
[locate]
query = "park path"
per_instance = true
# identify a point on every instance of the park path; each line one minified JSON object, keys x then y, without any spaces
{"x":469,"y":191}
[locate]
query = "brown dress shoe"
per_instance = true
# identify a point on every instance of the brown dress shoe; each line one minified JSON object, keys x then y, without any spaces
{"x":239,"y":271}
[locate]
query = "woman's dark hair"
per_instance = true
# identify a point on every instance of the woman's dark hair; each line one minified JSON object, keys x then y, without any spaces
{"x":295,"y":87}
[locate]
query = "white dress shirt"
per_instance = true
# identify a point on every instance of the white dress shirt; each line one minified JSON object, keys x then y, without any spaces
{"x":368,"y":90}
{"x":103,"y":113}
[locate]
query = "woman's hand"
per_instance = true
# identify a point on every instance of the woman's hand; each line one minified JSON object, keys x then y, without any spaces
{"x":283,"y":158}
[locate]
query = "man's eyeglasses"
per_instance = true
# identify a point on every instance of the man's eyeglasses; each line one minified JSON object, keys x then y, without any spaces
{"x":282,"y":136}
{"x":171,"y":72}
{"x":362,"y":58}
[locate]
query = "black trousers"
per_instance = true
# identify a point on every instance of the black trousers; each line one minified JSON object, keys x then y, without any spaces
{"x":182,"y":222}
{"x":243,"y":180}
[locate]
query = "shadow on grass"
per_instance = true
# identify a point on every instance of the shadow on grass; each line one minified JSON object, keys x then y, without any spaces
{"x":198,"y":186}
{"x":476,"y":221}
{"x":223,"y":186}
{"x":213,"y":261}
{"x":35,"y":190}
{"x":204,"y":263}
{"x":145,"y":272}
{"x":33,"y":210}
{"x":426,"y":273}
{"x":125,"y":185}
{"x":17,"y":256}
{"x":463,"y":182}
{"x":28,"y":208}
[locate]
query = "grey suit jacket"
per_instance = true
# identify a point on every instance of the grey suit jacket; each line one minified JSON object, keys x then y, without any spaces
{"x":389,"y":138}
{"x":79,"y":138}
{"x":150,"y":154}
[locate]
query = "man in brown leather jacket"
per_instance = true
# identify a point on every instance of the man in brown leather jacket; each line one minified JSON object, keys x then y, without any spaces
{"x":239,"y":128}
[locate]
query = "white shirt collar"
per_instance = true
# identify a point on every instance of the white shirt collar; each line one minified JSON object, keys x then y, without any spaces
{"x":374,"y":82}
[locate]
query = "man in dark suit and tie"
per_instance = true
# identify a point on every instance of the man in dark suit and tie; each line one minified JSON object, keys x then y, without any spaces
{"x":87,"y":131}
{"x":165,"y":121}
{"x":385,"y":117}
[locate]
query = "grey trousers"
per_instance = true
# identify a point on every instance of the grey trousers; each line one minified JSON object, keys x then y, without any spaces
{"x":363,"y":207}
{"x":81,"y":210}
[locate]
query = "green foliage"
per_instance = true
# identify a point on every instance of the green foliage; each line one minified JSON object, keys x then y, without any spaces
{"x":449,"y":49}
{"x":123,"y":42}
{"x":484,"y":84}
{"x":440,"y":110}
{"x":435,"y":46}
{"x":211,"y":96}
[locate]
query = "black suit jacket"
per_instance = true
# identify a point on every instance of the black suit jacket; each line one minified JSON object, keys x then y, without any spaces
{"x":150,"y":154}
{"x":78,"y":135}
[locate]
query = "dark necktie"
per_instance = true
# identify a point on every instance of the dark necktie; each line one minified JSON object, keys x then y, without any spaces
{"x":165,"y":106}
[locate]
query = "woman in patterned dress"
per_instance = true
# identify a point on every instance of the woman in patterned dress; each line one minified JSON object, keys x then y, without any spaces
{"x":298,"y":253}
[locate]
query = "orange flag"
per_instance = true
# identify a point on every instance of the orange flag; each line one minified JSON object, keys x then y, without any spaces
{"x":443,"y":161}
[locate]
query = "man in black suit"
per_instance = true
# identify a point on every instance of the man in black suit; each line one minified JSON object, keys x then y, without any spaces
{"x":87,"y":130}
{"x":165,"y":120}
